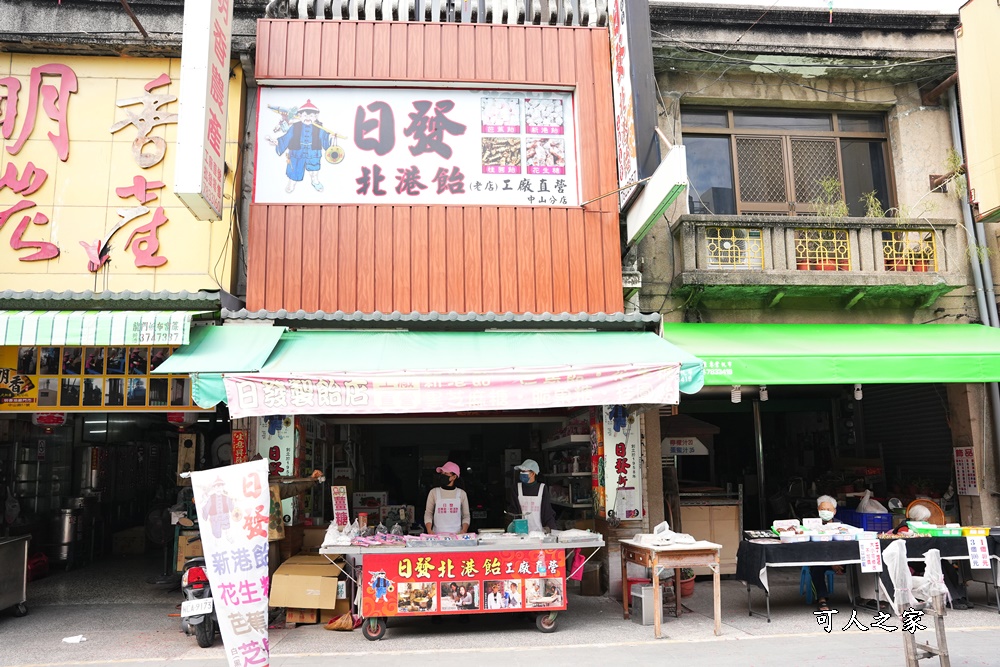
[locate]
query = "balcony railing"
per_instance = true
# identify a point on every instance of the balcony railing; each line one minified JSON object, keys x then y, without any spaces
{"x":781,"y":256}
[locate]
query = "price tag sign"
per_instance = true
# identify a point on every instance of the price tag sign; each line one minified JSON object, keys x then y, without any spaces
{"x":979,"y":553}
{"x":871,"y":555}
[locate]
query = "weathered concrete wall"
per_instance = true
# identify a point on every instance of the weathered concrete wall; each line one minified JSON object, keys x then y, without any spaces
{"x":969,"y":419}
{"x":919,"y":138}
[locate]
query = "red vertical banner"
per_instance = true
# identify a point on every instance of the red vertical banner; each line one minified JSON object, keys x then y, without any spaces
{"x":422,"y":584}
{"x":240,"y":453}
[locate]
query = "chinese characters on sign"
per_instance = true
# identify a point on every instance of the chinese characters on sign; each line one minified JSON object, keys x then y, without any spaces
{"x":965,"y":471}
{"x":277,"y":442}
{"x":481,"y":581}
{"x":621,"y":86}
{"x":381,"y":392}
{"x":26,"y":179}
{"x":427,"y":146}
{"x":871,"y":555}
{"x":910,"y":618}
{"x":683,"y":447}
{"x":232,"y":504}
{"x":622,"y":474}
{"x":979,"y":553}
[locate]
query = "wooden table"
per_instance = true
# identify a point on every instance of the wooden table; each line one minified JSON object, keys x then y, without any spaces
{"x":689,"y":555}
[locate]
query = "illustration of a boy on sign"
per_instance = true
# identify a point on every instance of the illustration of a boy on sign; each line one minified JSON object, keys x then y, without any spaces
{"x":304,"y":143}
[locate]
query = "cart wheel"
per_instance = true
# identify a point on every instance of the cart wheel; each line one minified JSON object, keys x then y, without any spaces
{"x":20,"y":610}
{"x":546,"y":622}
{"x":373,"y":629}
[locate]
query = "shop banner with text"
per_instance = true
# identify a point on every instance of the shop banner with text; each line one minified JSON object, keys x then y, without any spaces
{"x":622,"y":462}
{"x":233,"y":508}
{"x":416,"y":146}
{"x":385,"y":392}
{"x":463,"y":582}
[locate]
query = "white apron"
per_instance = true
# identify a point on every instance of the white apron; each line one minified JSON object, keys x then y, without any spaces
{"x":447,"y":512}
{"x":531,"y":507}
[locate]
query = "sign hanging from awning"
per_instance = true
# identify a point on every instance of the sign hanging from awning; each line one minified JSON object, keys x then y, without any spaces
{"x":116,"y":327}
{"x":395,"y":392}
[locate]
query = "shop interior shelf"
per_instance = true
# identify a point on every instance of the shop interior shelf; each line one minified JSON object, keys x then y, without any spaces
{"x":566,"y":442}
{"x":585,"y":473}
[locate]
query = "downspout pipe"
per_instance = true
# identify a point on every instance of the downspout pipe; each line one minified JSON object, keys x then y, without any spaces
{"x":982,"y":272}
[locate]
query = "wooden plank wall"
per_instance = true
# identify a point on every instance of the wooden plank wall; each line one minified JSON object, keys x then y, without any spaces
{"x":444,"y":258}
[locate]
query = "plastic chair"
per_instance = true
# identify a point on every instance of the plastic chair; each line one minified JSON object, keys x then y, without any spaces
{"x":806,"y":587}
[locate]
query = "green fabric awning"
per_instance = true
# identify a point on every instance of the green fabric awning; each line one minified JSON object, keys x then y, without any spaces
{"x":225,"y":349}
{"x":95,"y":327}
{"x":783,"y":354}
{"x":401,"y":356}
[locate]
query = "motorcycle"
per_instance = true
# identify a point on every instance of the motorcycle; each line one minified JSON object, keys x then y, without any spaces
{"x":198,"y":610}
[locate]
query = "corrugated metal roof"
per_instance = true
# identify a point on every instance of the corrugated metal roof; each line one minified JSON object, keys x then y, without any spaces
{"x":452,"y":321}
{"x":90,"y":300}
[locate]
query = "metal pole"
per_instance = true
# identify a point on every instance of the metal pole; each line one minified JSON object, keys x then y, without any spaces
{"x":759,"y":438}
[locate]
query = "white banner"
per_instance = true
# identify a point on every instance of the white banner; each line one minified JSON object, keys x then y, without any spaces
{"x":416,"y":146}
{"x":233,"y":505}
{"x":622,"y":461}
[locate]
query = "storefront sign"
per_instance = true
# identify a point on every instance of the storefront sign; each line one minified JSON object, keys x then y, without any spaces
{"x":979,"y":553}
{"x":80,"y":378}
{"x":622,"y":462}
{"x":341,"y":514}
{"x":462,"y":582}
{"x":965,"y":471}
{"x":85,"y":141}
{"x":276,"y":443}
{"x":445,"y":391}
{"x":416,"y":146}
{"x":871,"y":555}
{"x":232,"y":503}
{"x":199,"y":175}
{"x":683,"y":447}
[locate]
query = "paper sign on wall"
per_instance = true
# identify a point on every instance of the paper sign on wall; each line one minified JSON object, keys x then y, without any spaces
{"x":965,"y":471}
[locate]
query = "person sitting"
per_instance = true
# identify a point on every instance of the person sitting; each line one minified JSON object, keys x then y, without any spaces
{"x":826,"y":507}
{"x":956,"y":587}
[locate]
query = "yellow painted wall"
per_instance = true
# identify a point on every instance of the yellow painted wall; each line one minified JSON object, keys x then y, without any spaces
{"x":79,"y":194}
{"x":979,"y":83}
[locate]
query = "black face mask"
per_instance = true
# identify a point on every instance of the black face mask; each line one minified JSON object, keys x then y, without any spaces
{"x":445,"y":481}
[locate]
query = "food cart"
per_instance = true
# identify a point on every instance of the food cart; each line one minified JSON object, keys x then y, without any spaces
{"x":441,"y":577}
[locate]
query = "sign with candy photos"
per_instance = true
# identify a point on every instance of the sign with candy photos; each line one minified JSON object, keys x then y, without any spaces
{"x":416,"y":146}
{"x":466,"y":582}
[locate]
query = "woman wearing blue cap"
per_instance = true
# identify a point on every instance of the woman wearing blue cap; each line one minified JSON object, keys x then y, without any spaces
{"x":530,"y":498}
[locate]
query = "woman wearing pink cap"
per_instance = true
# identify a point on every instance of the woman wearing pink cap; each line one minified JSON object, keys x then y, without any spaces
{"x":447,"y":510}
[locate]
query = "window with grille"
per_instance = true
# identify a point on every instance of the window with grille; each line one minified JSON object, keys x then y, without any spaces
{"x":734,"y":248}
{"x":746,"y":162}
{"x":822,"y":250}
{"x":909,"y":250}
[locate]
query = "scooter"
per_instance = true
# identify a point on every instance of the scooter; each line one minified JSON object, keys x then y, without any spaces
{"x":198,"y":609}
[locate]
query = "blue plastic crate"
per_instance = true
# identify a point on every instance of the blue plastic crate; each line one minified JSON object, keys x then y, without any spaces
{"x":879,"y":522}
{"x":844,"y":515}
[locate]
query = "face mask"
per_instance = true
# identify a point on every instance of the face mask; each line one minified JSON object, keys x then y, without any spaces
{"x":525,"y":478}
{"x":446,"y":480}
{"x":826,"y":515}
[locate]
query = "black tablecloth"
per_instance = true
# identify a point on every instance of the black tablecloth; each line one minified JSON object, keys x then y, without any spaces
{"x":751,"y":558}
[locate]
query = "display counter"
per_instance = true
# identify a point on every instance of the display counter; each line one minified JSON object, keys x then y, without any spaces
{"x":461,"y":577}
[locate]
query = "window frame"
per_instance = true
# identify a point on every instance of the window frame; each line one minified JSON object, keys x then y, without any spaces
{"x":791,"y":206}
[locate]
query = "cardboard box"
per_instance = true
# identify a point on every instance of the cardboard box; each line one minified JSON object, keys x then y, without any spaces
{"x":300,"y":616}
{"x":187,"y":549}
{"x":312,"y":537}
{"x":302,"y":584}
{"x":292,"y":543}
{"x":129,"y":542}
{"x":342,"y":607}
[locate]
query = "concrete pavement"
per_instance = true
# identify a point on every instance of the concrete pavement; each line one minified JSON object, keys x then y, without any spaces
{"x":129,"y":624}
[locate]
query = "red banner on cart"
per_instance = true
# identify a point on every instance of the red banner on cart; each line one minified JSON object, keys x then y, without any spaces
{"x":463,"y":582}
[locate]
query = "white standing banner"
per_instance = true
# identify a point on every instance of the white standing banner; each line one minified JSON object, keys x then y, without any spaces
{"x":416,"y":146}
{"x":233,"y":505}
{"x":979,"y":553}
{"x":622,"y":462}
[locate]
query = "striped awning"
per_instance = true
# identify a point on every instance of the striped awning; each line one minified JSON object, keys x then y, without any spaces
{"x":95,"y":327}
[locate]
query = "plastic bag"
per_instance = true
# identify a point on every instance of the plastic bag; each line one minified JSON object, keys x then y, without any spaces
{"x":576,"y":571}
{"x":869,"y":505}
{"x":344,"y":622}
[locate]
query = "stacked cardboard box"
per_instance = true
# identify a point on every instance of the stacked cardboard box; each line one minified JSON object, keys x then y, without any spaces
{"x":311,"y":588}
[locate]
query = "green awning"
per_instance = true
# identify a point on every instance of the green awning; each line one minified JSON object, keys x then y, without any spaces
{"x":225,"y":349}
{"x":438,"y":370}
{"x":95,"y":327}
{"x":783,"y":354}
